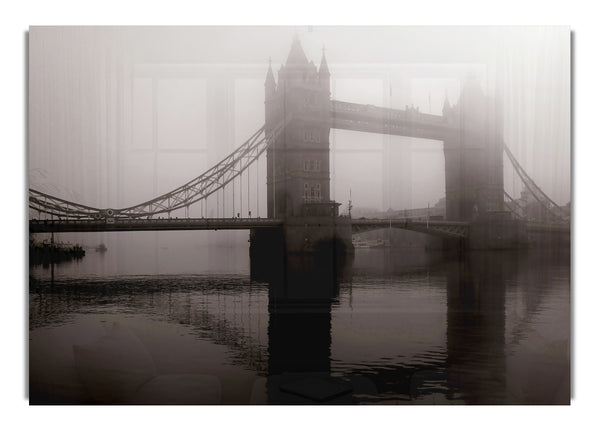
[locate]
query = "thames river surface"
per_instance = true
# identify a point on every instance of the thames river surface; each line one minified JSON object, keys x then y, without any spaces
{"x":173,"y":318}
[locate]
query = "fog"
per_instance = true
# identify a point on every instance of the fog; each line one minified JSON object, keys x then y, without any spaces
{"x":119,"y":115}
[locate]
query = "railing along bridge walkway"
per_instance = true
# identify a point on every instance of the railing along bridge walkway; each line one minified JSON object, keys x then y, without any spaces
{"x":438,"y":228}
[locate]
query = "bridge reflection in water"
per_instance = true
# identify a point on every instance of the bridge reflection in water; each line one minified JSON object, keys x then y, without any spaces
{"x":474,"y":367}
{"x":388,"y":327}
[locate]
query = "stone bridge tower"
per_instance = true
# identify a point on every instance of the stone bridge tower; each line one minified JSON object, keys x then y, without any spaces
{"x":298,"y":161}
{"x":298,"y":177}
{"x":474,"y":153}
{"x":474,"y":156}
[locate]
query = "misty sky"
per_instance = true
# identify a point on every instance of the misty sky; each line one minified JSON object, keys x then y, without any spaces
{"x":120,"y":115}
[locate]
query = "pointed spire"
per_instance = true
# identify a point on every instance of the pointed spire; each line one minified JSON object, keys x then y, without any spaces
{"x":323,"y":68}
{"x":296,"y":56}
{"x":446,"y":107}
{"x":270,"y":80}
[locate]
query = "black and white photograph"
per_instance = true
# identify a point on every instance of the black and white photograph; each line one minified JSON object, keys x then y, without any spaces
{"x":299,"y":215}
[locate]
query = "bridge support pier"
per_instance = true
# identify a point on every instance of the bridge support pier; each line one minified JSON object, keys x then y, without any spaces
{"x":318,"y":235}
{"x":315,"y":245}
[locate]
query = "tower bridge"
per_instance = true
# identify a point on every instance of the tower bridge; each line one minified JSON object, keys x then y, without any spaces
{"x":301,"y":216}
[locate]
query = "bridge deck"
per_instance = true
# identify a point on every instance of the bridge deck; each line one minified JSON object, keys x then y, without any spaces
{"x":548,"y":227}
{"x":121,"y":225}
{"x":438,"y":228}
{"x":445,"y":229}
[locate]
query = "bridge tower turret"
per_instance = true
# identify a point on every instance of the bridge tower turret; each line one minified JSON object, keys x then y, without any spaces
{"x":474,"y":171}
{"x":474,"y":155}
{"x":271,"y":116}
{"x":324,"y":75}
{"x":298,"y":161}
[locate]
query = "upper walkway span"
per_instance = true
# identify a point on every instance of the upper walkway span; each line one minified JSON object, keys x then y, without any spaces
{"x":373,"y":119}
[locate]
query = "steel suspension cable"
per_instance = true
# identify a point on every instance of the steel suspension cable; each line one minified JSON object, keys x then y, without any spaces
{"x":535,"y":190}
{"x":211,"y":181}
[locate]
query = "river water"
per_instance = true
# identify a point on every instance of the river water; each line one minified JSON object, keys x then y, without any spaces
{"x":161,"y":319}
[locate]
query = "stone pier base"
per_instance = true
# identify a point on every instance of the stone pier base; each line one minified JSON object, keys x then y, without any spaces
{"x":302,"y":260}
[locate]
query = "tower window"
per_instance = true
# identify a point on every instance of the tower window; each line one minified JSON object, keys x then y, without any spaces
{"x":311,"y":135}
{"x":312,"y":193}
{"x":312,"y":166}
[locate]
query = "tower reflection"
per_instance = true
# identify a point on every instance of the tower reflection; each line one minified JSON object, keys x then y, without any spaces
{"x":476,"y":318}
{"x":301,"y":294}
